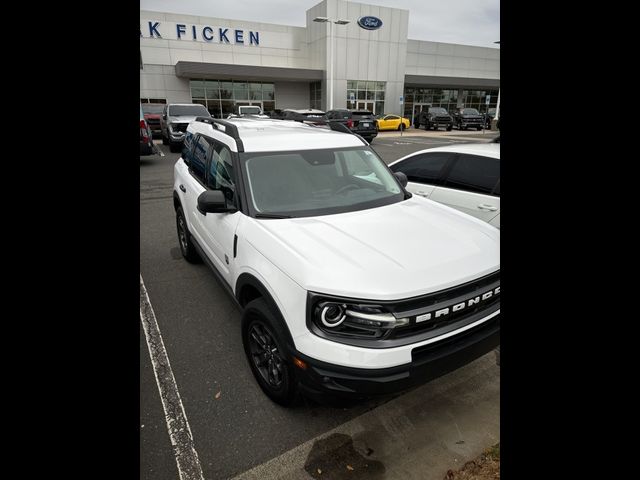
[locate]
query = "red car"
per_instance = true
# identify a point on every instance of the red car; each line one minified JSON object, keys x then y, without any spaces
{"x":152,"y":113}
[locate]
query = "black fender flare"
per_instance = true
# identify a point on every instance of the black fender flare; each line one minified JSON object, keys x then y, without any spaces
{"x":248,"y":280}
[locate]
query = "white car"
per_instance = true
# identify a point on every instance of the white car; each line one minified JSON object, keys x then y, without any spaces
{"x":465,"y":177}
{"x":349,"y":284}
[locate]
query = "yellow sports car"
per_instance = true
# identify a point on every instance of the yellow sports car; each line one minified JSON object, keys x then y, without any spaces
{"x":392,"y":122}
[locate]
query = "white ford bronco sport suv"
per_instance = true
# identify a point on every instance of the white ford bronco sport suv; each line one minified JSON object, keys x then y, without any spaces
{"x":348,"y":284}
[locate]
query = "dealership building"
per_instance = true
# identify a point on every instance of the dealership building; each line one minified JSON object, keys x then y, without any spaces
{"x":367,"y":63}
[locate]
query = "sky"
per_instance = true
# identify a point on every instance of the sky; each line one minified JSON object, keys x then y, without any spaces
{"x":466,"y":22}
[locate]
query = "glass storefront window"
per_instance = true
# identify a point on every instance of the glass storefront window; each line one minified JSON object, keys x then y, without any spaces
{"x":226,"y":89}
{"x":212,"y":88}
{"x":367,"y":91}
{"x":227,"y":108}
{"x":240,"y":91}
{"x":197,"y":89}
{"x":222,"y":96}
{"x":267,"y":106}
{"x":268,"y":92}
{"x":255,"y":91}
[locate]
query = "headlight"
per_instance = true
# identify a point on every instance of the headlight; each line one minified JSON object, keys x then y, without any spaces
{"x":355,"y":320}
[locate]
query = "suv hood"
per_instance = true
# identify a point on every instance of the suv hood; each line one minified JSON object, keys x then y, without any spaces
{"x":397,"y":251}
{"x":183,"y":118}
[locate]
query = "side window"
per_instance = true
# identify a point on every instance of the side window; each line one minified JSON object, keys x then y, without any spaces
{"x":474,"y":173}
{"x":199,"y":158}
{"x":220,"y":176}
{"x":425,"y":167}
{"x":187,"y":149}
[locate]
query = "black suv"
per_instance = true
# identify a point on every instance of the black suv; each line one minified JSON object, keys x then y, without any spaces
{"x":464,"y":118}
{"x":361,"y":122}
{"x":434,"y":117}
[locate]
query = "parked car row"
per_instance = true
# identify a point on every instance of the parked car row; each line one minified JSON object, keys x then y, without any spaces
{"x":170,"y":121}
{"x":461,"y":118}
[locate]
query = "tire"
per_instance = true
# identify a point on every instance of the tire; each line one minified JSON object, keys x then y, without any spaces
{"x":165,"y":140}
{"x":187,"y":248}
{"x":175,"y":147}
{"x":416,"y":125}
{"x":478,"y":128}
{"x":449,"y":127}
{"x":264,"y":344}
{"x":401,"y":127}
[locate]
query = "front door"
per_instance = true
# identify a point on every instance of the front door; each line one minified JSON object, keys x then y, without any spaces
{"x":364,"y":105}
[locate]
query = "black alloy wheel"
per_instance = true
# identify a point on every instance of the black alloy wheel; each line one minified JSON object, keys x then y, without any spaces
{"x":187,"y":249}
{"x":263,"y":338}
{"x":265,"y":355}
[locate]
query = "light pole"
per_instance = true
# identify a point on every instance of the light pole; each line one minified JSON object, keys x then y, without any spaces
{"x":330,"y":21}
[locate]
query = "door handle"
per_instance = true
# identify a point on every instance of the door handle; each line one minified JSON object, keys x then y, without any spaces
{"x":183,"y":189}
{"x":491,"y":208}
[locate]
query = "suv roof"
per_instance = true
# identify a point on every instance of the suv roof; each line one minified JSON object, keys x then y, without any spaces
{"x":266,"y":135}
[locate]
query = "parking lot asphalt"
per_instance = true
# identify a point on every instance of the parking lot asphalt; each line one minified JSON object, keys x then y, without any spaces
{"x":235,"y":426}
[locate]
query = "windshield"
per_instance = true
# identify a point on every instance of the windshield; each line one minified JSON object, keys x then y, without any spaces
{"x":250,"y":110}
{"x":470,"y":111}
{"x":319,"y":182}
{"x":438,"y":111}
{"x":187,"y":111}
{"x":152,"y":108}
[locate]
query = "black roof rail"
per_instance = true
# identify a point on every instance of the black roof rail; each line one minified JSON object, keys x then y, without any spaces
{"x":229,"y":128}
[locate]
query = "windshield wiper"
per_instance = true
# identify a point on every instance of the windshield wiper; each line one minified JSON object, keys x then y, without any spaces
{"x":271,"y":215}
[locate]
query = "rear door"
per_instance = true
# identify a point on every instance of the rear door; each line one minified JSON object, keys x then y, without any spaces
{"x":471,"y":185}
{"x":424,"y":171}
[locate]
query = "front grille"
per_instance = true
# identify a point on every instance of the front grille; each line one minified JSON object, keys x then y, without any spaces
{"x":180,"y":127}
{"x":443,"y":119}
{"x":431,"y":303}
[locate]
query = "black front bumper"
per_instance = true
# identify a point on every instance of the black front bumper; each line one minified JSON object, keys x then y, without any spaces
{"x":428,"y":362}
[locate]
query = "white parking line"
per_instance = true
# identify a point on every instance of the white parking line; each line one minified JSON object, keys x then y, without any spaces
{"x":184,"y":450}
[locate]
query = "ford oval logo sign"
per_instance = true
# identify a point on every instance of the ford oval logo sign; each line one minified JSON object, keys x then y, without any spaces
{"x":370,"y":23}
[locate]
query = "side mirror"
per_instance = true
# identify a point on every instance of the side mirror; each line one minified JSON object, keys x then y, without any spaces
{"x":402,"y":178}
{"x":213,"y":201}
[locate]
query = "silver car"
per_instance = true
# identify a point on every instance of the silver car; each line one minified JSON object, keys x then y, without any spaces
{"x":175,"y":119}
